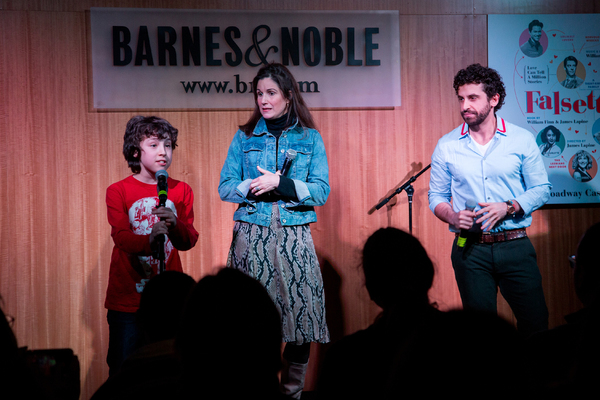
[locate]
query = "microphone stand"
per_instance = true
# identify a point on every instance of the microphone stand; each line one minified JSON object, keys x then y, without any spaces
{"x":161,"y":253}
{"x":407,"y":187}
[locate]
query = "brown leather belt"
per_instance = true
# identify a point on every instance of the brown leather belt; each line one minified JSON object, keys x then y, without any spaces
{"x":494,"y":237}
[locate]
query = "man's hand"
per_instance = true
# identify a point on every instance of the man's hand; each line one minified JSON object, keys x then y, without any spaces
{"x":463,"y":219}
{"x":460,"y":220}
{"x":491,"y":213}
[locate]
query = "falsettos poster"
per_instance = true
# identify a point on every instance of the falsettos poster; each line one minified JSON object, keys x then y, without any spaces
{"x":550,"y":65}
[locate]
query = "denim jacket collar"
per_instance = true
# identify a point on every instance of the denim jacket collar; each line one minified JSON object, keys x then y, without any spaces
{"x":261,"y":127}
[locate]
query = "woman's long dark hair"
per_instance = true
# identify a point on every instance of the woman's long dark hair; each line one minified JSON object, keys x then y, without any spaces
{"x":544,"y":133}
{"x":291,"y":92}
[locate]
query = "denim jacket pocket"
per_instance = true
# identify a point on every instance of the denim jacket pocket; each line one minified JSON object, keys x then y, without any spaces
{"x":300,"y":167}
{"x":253,"y":155}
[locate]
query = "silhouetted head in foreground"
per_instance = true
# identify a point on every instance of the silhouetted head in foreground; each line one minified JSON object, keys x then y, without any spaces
{"x":587,"y":267}
{"x":161,"y":304}
{"x":230,"y":338}
{"x":397,"y":269}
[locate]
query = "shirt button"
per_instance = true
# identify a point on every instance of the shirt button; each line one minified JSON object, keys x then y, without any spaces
{"x":283,"y":220}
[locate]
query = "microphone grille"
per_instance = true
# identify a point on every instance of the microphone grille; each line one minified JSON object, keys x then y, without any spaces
{"x":470,"y":204}
{"x":160,"y":173}
{"x":291,"y":154}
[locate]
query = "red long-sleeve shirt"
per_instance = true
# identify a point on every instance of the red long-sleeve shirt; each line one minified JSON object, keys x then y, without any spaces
{"x":130,"y":204}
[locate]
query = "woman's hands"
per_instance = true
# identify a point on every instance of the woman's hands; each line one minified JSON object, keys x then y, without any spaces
{"x":265,"y":183}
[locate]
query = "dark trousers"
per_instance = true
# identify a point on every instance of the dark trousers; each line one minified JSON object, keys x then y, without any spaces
{"x":481,"y":268}
{"x":123,"y":338}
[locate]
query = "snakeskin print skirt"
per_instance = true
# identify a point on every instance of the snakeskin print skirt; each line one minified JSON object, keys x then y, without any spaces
{"x":284,"y":260}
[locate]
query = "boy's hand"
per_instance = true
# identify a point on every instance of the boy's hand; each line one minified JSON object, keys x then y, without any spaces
{"x":159,"y":228}
{"x":166,"y":215}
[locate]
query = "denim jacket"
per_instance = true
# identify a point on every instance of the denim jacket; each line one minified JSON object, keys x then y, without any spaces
{"x":309,"y":172}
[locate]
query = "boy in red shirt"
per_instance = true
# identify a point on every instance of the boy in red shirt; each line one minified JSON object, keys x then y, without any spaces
{"x":137,"y":224}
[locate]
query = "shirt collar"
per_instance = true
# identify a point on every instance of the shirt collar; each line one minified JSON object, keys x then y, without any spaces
{"x":260,"y":128}
{"x":534,"y":44}
{"x":501,"y":128}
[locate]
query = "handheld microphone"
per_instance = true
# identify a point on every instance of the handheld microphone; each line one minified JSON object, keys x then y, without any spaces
{"x":287,"y":163}
{"x":462,"y":236}
{"x":161,"y":187}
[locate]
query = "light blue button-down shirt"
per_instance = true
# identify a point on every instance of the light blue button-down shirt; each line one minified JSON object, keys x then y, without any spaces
{"x":511,"y":168}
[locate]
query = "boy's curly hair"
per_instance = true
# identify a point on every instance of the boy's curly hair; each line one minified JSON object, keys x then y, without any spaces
{"x":139,"y":128}
{"x":492,"y":82}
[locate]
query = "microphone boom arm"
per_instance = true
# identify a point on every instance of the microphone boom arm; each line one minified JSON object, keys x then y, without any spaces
{"x":402,"y":187}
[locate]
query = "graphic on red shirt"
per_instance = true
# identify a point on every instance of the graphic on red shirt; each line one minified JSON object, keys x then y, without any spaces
{"x":142,"y":220}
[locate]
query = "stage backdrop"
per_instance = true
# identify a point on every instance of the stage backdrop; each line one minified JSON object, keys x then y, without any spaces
{"x":61,"y":155}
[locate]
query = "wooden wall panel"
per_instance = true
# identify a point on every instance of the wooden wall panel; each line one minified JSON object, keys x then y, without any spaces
{"x":405,"y":7}
{"x":535,"y":7}
{"x":60,"y":157}
{"x":427,"y":7}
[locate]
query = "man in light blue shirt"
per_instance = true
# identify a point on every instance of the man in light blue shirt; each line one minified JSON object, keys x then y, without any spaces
{"x":497,"y":167}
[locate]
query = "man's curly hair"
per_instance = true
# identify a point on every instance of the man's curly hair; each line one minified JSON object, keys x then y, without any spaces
{"x":492,"y":82}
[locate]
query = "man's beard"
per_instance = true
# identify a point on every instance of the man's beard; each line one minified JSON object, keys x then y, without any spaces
{"x":478,"y":118}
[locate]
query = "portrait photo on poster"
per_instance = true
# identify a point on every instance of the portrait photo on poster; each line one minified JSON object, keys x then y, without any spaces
{"x":583,"y":166}
{"x":571,"y":74}
{"x":551,"y":141}
{"x":533,"y":40}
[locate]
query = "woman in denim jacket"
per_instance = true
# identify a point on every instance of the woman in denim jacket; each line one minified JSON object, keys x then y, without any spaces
{"x":272,"y":241}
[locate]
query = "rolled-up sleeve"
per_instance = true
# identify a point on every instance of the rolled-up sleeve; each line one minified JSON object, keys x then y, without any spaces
{"x":440,"y":180}
{"x":232,"y":187}
{"x":537,"y":185}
